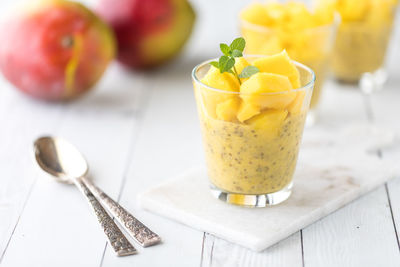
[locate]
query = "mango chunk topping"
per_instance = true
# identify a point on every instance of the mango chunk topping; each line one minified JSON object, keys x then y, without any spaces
{"x":279,"y":64}
{"x":223,"y":81}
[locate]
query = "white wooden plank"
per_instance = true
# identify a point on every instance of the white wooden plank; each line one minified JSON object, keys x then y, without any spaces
{"x":218,"y":253}
{"x":385,"y":111}
{"x":21,"y":120}
{"x":393,"y":188}
{"x":168,"y":143}
{"x":56,"y":218}
{"x":361,"y":233}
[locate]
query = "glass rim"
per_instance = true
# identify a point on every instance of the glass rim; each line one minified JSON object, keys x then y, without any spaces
{"x":335,"y":22}
{"x":309,"y":85}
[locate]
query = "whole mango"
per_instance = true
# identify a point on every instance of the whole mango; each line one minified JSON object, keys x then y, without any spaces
{"x":55,"y":50}
{"x":149,"y":32}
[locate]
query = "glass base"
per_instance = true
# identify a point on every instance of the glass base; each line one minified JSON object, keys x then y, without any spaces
{"x":371,"y":82}
{"x":368,"y":82}
{"x":259,"y":201}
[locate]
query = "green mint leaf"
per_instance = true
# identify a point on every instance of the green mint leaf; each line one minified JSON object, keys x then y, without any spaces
{"x":231,"y":72}
{"x":238,"y":44}
{"x":226,"y":63}
{"x":230,"y":64}
{"x":237,"y":53}
{"x":222,"y":63}
{"x":225,"y":49}
{"x":248,"y":72}
{"x":215,"y":64}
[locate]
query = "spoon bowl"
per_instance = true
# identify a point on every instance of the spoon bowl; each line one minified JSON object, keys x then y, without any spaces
{"x":60,"y":159}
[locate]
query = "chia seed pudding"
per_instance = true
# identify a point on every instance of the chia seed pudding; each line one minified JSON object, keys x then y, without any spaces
{"x":248,"y":160}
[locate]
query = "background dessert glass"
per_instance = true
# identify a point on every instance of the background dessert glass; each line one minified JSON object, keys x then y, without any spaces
{"x":310,"y":46}
{"x":252,"y":163}
{"x":360,"y":49}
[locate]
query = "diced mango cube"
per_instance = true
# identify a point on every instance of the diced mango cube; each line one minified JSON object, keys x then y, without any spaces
{"x":265,"y":83}
{"x":228,"y":109}
{"x":382,"y":12}
{"x":240,"y":64}
{"x":352,"y":10}
{"x":224,"y":81}
{"x":276,"y":12}
{"x":260,"y":83}
{"x":279,"y":64}
{"x":247,"y":110}
{"x":256,"y":14}
{"x":211,"y":98}
{"x":324,"y":12}
{"x":297,"y":9}
{"x":269,"y":122}
{"x":297,"y":16}
{"x":279,"y":101}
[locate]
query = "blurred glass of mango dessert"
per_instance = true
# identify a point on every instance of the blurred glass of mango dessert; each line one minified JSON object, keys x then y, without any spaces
{"x":363,"y":36}
{"x":252,"y":111}
{"x":307,"y":35}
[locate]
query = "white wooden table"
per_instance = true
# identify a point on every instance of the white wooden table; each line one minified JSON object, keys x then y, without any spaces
{"x":138,"y":130}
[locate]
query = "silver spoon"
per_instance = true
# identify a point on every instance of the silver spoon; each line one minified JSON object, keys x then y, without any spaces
{"x":63,"y":161}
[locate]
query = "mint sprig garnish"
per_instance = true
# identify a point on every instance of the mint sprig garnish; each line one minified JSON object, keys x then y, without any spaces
{"x":226,"y":63}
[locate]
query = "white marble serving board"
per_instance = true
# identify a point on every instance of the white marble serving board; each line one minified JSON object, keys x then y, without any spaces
{"x":333,"y":169}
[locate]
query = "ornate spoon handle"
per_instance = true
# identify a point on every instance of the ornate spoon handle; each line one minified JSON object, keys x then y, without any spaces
{"x":143,"y":235}
{"x":117,"y":240}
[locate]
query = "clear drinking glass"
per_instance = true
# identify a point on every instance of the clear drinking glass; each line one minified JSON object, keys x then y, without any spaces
{"x":252,"y":163}
{"x":360,"y":49}
{"x":310,"y":46}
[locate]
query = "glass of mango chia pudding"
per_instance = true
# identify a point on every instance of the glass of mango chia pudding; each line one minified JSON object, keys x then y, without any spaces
{"x":252,"y":128}
{"x":362,"y":40}
{"x":306,"y":34}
